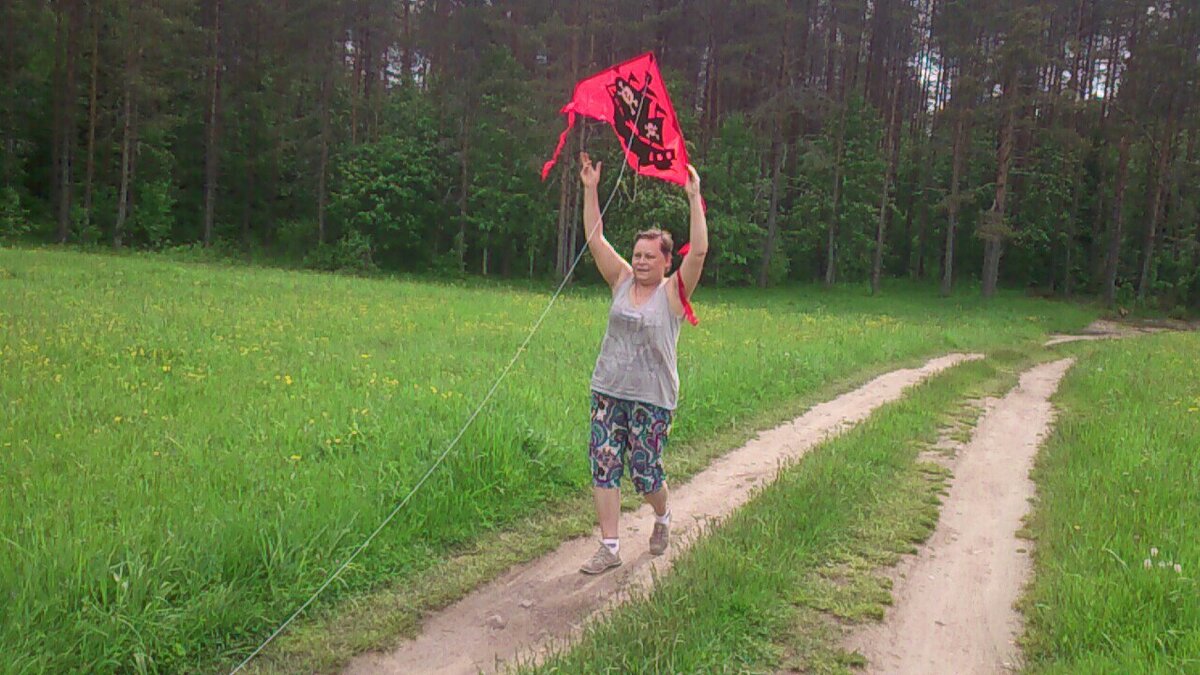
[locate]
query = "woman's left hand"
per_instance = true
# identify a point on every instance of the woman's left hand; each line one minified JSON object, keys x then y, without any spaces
{"x":693,"y":183}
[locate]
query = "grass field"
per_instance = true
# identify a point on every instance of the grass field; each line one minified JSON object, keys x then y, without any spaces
{"x":189,"y":450}
{"x":1118,"y":556}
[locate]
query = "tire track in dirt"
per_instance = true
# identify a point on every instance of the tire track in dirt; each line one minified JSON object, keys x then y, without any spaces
{"x":954,"y":609}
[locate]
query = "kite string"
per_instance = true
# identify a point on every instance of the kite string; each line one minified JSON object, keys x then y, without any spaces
{"x":533,"y":330}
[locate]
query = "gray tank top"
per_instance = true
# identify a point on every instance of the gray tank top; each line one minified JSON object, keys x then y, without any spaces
{"x":637,"y":357}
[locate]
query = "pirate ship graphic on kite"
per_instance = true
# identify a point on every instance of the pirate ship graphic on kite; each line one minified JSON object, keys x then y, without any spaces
{"x":632,"y":98}
{"x":639,"y":119}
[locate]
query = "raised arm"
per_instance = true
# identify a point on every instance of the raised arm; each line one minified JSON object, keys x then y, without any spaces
{"x":693,"y":262}
{"x":612,"y":266}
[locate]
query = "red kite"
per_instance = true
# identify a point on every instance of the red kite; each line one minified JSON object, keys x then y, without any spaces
{"x":632,"y":97}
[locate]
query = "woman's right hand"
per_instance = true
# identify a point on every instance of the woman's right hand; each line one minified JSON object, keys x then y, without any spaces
{"x":588,"y":174}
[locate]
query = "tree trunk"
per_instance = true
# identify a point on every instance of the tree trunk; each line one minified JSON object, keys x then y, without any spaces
{"x":1072,"y":232}
{"x":1156,"y":207}
{"x":212,"y":151}
{"x":8,"y":70}
{"x":562,"y":258}
{"x":1113,"y":258}
{"x":356,"y":43}
{"x":66,"y":135}
{"x":878,"y":45}
{"x":406,"y":60}
{"x":56,"y":128}
{"x":911,"y":255}
{"x":1196,"y":262}
{"x":778,"y":151}
{"x":1098,"y":248}
{"x":835,"y":216}
{"x":128,"y":130}
{"x":850,"y":67}
{"x":914,"y":255}
{"x":464,"y":193}
{"x":368,"y":75}
{"x":248,"y":204}
{"x":567,"y":187}
{"x":885,"y":203}
{"x":831,"y":47}
{"x":993,"y":249}
{"x":90,"y":175}
{"x":323,"y":162}
{"x":995,"y":229}
{"x":1181,"y":178}
{"x":126,"y":160}
{"x":960,"y":143}
{"x":704,"y":91}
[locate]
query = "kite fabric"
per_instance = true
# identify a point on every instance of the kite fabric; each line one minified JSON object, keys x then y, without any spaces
{"x":632,"y":97}
{"x":688,"y":313}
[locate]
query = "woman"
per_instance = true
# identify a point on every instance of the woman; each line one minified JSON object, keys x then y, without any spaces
{"x":635,"y":384}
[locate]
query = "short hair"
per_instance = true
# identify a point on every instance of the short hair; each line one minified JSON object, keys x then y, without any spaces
{"x":665,"y":243}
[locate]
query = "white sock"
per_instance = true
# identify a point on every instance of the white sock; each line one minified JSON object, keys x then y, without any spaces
{"x":613,"y":545}
{"x":664,"y":519}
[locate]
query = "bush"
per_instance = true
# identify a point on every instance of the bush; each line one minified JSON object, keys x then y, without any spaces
{"x":221,"y":250}
{"x":14,"y":219}
{"x":735,"y":249}
{"x":153,"y":219}
{"x":351,"y":253}
{"x":296,"y":238}
{"x":83,"y":230}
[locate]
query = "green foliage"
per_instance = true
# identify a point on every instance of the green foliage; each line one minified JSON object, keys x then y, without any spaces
{"x":352,"y":253}
{"x":862,"y":168}
{"x":505,"y":204}
{"x":735,"y":246}
{"x":14,"y":218}
{"x":735,"y":194}
{"x":295,"y":238}
{"x":644,"y":205}
{"x":390,"y":191}
{"x":152,"y":222}
{"x":83,"y":230}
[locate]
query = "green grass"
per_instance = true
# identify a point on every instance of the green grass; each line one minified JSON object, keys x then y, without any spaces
{"x":769,"y":588}
{"x":189,"y":450}
{"x":1119,"y":486}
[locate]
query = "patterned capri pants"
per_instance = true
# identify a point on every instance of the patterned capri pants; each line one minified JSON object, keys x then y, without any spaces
{"x":628,"y":433}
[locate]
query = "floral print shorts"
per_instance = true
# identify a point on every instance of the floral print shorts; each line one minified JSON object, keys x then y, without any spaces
{"x":628,"y":433}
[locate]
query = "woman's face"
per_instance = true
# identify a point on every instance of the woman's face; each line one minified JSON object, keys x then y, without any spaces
{"x":649,"y":263}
